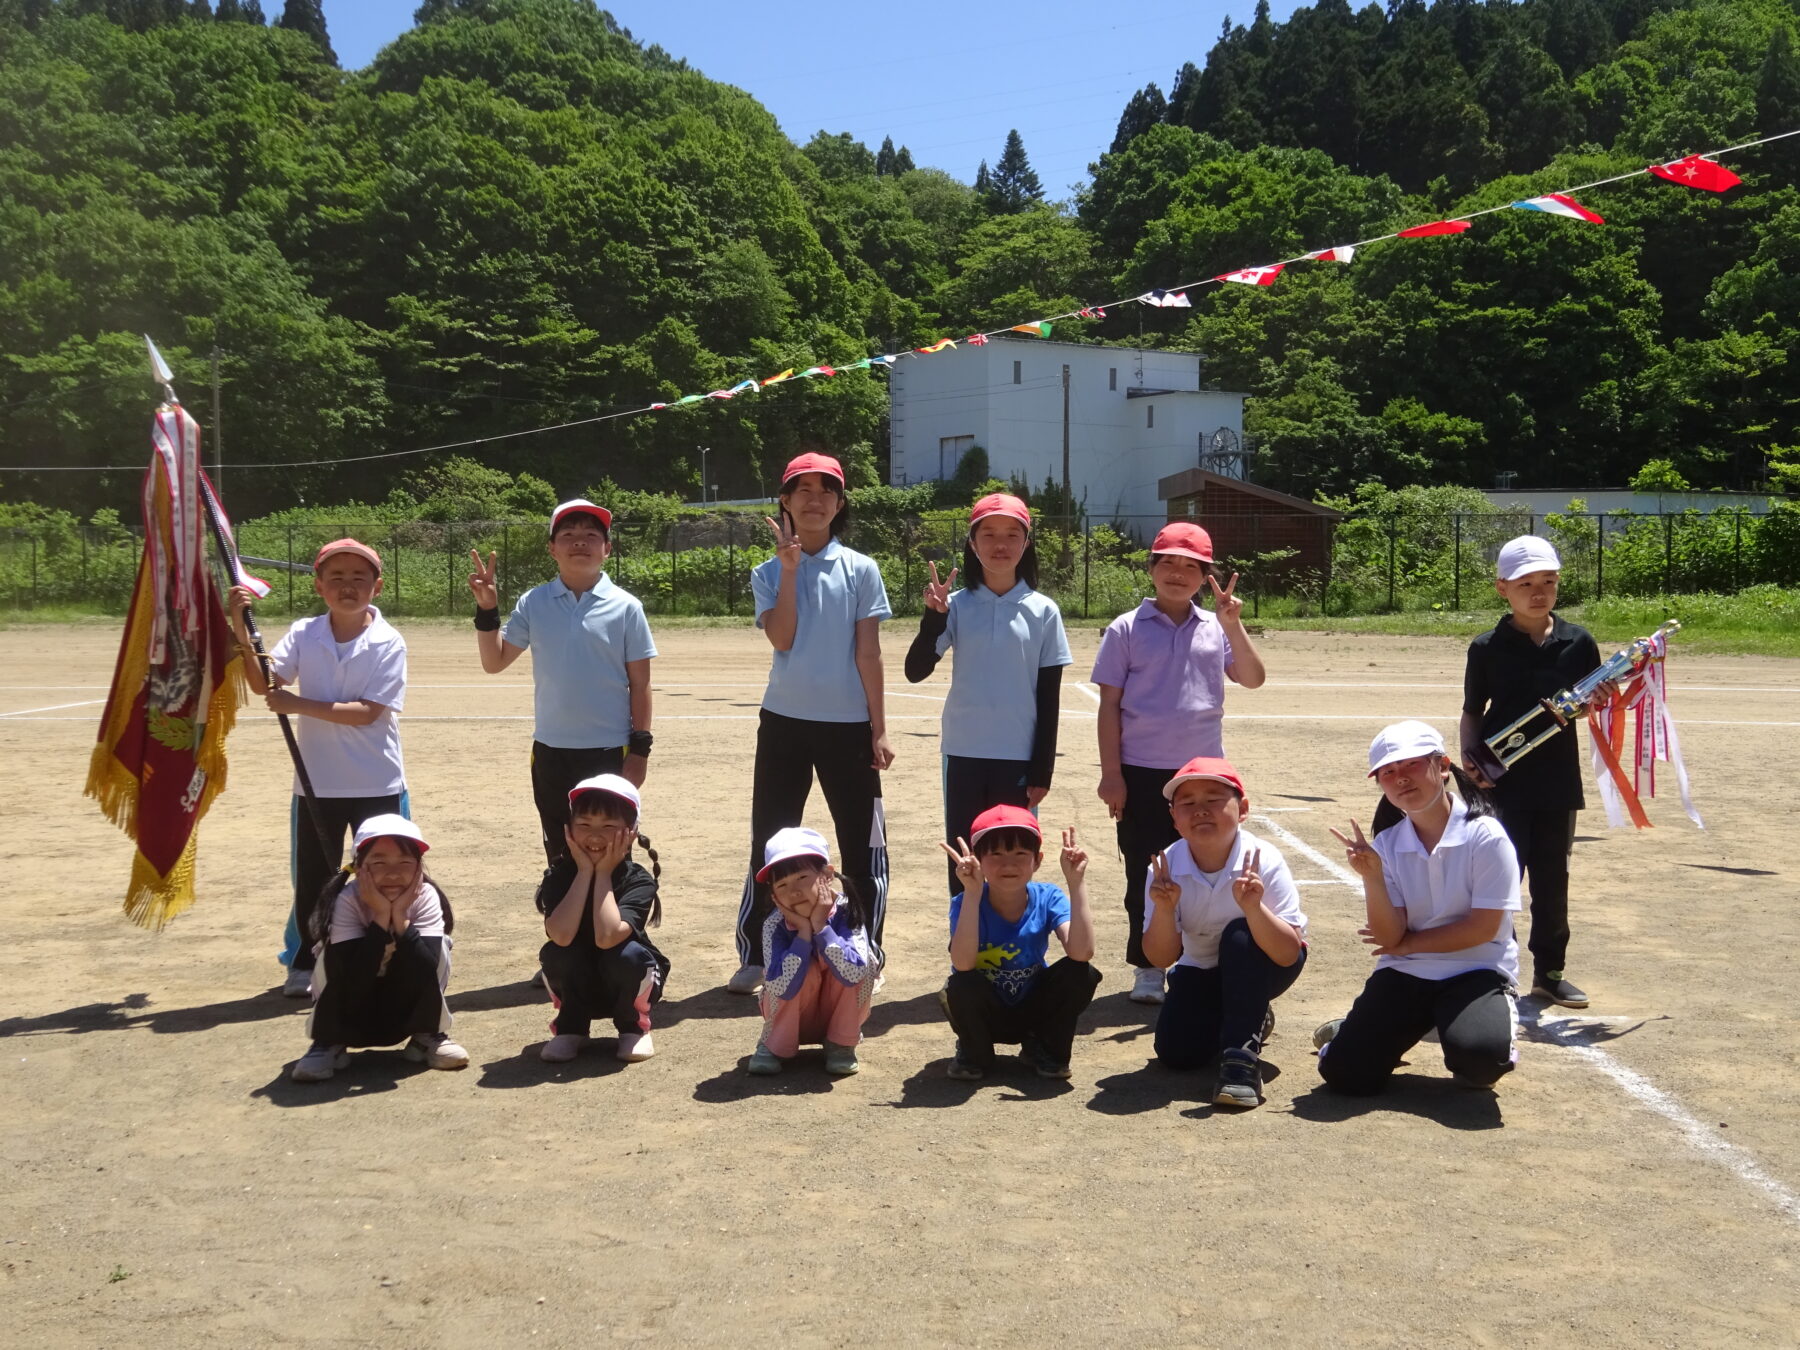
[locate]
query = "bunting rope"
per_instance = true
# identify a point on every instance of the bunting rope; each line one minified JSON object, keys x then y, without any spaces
{"x":1701,"y":171}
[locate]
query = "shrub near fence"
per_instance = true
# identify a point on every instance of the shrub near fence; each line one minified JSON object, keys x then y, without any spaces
{"x":1400,"y":560}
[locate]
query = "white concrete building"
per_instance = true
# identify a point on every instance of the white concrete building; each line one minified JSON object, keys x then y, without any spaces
{"x":1135,"y":417}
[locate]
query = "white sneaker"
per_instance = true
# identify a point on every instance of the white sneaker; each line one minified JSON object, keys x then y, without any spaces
{"x":319,"y":1063}
{"x":298,"y":984}
{"x":635,"y":1047}
{"x":880,"y":983}
{"x":436,"y":1050}
{"x":1148,"y":987}
{"x":562,"y":1049}
{"x":747,"y":980}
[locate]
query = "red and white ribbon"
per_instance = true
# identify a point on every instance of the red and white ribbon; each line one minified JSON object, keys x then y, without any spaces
{"x":1653,"y":737}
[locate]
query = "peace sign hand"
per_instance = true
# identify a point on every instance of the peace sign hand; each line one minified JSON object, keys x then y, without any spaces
{"x":787,"y":543}
{"x":1225,"y":604}
{"x":937,"y":593}
{"x":1074,"y":857}
{"x":1359,"y":853}
{"x":481,"y":581}
{"x":968,"y":871}
{"x":1164,"y":890}
{"x":1247,"y":885}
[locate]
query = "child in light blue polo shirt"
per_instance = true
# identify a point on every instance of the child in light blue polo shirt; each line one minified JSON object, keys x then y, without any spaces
{"x":590,"y":664}
{"x":1000,"y":719}
{"x":820,"y":605}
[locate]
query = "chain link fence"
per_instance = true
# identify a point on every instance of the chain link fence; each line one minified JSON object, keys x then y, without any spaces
{"x":1288,"y":563}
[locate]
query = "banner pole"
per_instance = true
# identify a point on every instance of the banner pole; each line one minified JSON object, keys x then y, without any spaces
{"x":229,"y":552}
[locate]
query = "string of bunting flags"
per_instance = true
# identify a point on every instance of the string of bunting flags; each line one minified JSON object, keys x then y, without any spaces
{"x":1701,"y":171}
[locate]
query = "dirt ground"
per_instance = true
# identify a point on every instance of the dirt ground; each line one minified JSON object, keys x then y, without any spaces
{"x":1633,"y":1183}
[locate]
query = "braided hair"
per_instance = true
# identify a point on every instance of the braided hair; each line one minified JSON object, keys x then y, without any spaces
{"x":320,"y":927}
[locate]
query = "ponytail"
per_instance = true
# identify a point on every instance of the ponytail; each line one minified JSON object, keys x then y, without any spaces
{"x":854,"y":905}
{"x":328,"y":894}
{"x":655,"y":919}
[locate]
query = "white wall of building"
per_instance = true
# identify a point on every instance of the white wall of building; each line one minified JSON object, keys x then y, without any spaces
{"x":1119,"y":446}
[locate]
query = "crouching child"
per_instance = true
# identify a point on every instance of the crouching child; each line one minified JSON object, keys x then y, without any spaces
{"x":1000,"y":990}
{"x":382,"y":944}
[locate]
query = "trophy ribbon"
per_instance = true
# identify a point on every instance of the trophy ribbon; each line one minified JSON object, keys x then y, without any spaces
{"x":1654,"y":738}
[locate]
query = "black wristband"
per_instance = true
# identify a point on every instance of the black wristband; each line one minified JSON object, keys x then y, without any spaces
{"x":487,"y":620}
{"x":638,"y":743}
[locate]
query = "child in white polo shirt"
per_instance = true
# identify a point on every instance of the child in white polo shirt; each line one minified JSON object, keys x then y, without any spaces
{"x":350,"y":666}
{"x":1000,"y":718}
{"x":1225,"y":916}
{"x":821,"y":606}
{"x":590,"y":664}
{"x":1441,"y":888}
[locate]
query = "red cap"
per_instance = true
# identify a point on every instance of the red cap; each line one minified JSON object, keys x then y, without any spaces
{"x":581,"y":506}
{"x":1205,"y":769}
{"x":810,"y":463}
{"x":355,"y":546}
{"x":1000,"y":504}
{"x":1004,"y":818}
{"x":1183,"y":540}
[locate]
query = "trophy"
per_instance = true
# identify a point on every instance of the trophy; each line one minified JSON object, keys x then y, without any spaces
{"x":1510,"y":744}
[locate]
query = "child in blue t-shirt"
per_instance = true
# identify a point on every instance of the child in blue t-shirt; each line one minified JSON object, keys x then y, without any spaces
{"x":999,"y":731}
{"x":1000,"y":990}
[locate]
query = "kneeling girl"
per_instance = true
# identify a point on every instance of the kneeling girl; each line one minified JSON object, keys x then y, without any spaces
{"x":381,"y":935}
{"x":1441,"y":887}
{"x":1225,"y":913}
{"x":821,"y":973}
{"x":597,"y":903}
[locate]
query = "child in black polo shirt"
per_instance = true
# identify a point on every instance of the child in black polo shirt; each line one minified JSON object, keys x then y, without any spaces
{"x":1532,"y":653}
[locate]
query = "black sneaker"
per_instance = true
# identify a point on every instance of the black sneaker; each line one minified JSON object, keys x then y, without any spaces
{"x":962,"y":1067}
{"x":1550,"y":984}
{"x":1240,"y":1080}
{"x":1042,"y":1061}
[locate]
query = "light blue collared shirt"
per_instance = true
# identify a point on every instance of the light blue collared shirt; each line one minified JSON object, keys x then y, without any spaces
{"x":579,"y":646}
{"x":1001,"y":643}
{"x":816,"y":679}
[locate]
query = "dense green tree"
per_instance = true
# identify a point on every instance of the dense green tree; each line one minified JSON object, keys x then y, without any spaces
{"x":1146,"y":109}
{"x":1014,"y":185}
{"x":307,"y":17}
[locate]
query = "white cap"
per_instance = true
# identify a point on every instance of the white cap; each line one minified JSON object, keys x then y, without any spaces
{"x":1403,"y":740}
{"x":389,"y":827}
{"x":794,"y":842}
{"x":612,"y":785}
{"x":1527,"y":554}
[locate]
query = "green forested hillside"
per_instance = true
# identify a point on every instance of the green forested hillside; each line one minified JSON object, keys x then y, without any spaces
{"x":518,"y":215}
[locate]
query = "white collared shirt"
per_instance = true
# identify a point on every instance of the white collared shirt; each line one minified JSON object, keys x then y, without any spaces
{"x":347,"y":761}
{"x":1472,"y":867}
{"x":1207,"y":903}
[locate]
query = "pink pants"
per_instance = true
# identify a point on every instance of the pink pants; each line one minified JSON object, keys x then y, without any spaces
{"x":825,"y":1009}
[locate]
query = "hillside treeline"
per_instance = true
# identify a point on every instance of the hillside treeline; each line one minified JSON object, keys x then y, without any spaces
{"x":519,"y":215}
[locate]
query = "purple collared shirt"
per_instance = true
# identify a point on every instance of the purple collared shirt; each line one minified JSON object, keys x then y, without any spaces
{"x":1173,"y":680}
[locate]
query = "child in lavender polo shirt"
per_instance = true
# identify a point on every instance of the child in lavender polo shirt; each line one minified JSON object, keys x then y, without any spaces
{"x":1161,"y":672}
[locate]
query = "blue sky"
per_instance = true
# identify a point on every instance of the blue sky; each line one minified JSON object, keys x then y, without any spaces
{"x":947,"y":80}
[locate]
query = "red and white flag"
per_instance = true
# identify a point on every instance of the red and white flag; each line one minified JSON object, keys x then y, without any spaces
{"x":1697,"y":171}
{"x":1434,"y":227}
{"x":1556,"y":204}
{"x":1254,"y":276}
{"x":1342,"y":253}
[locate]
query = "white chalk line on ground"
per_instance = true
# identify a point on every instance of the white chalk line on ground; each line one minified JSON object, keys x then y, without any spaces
{"x":1699,"y":1136}
{"x":84,"y":703}
{"x":1558,"y":1033}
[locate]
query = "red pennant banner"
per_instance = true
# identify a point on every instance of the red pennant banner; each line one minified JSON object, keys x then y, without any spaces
{"x":1435,"y":227}
{"x":1697,"y":171}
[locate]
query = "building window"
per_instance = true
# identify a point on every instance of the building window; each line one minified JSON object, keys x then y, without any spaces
{"x":1018,"y":377}
{"x":1150,"y":415}
{"x":951,"y":449}
{"x":1112,"y":378}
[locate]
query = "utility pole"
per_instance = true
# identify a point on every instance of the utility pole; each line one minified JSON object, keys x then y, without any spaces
{"x":1068,"y":495}
{"x":218,"y":428}
{"x":705,"y":450}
